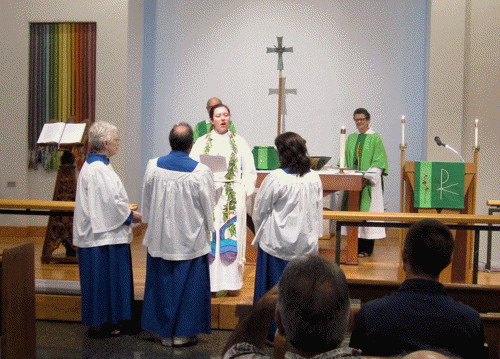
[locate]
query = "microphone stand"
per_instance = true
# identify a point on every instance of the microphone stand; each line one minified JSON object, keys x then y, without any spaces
{"x":452,"y":149}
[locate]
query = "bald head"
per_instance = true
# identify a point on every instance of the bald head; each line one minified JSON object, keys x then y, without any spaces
{"x":181,"y":137}
{"x":425,"y":354}
{"x":212,"y":101}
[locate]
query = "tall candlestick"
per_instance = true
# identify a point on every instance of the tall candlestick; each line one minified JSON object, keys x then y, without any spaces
{"x":403,"y":121}
{"x":476,"y":130}
{"x":342,"y":147}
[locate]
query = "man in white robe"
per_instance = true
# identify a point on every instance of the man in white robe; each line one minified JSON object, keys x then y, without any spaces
{"x":178,"y":199}
{"x":102,"y":233}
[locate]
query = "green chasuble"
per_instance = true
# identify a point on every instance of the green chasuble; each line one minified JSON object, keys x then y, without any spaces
{"x":202,"y":128}
{"x":362,"y":152}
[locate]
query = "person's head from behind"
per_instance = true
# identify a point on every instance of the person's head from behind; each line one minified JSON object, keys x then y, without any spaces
{"x":103,"y":138}
{"x":313,"y":304}
{"x":181,"y":137}
{"x":292,"y":152}
{"x":426,"y":354}
{"x":220,"y":116}
{"x":212,"y":101}
{"x":428,"y":248}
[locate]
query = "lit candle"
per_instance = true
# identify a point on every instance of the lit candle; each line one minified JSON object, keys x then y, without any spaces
{"x":342,"y":147}
{"x":476,"y":130}
{"x":403,"y":130}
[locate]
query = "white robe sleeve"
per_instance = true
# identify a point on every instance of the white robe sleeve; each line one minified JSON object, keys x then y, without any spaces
{"x":374,"y":175}
{"x":107,"y":200}
{"x":264,"y":200}
{"x":207,"y":198}
{"x":249,"y":173}
{"x":147,"y":191}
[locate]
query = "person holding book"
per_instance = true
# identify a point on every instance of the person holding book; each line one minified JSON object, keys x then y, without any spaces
{"x":102,"y":233}
{"x":234,"y":182}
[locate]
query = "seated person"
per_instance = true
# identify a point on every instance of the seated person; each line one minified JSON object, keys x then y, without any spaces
{"x":313,"y":330}
{"x":420,"y":315}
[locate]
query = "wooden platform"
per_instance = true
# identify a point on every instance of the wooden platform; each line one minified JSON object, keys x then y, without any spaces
{"x":226,"y":311}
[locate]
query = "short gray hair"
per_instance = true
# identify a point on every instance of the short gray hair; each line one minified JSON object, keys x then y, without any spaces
{"x":99,"y":132}
{"x":313,"y":302}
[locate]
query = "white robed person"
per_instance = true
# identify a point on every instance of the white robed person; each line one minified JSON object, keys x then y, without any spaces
{"x":102,"y":233}
{"x":233,"y":185}
{"x":178,"y":200}
{"x":288,"y":214}
{"x":365,"y":152}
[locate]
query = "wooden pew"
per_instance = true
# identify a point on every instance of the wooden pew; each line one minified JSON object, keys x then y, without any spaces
{"x":17,"y":290}
{"x":483,"y":298}
{"x":491,"y":322}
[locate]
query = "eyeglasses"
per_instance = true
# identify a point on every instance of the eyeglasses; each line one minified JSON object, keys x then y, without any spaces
{"x":360,"y":119}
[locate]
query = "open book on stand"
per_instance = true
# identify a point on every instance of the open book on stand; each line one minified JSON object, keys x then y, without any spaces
{"x":62,"y":133}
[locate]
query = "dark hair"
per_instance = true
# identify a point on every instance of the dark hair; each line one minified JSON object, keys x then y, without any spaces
{"x":313,"y":303}
{"x":292,"y":152}
{"x":181,"y":137}
{"x":362,"y":111}
{"x":428,"y":247}
{"x":212,"y":110}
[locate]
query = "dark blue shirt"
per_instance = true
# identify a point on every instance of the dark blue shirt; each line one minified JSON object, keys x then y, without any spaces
{"x":177,"y":161}
{"x":92,"y":157}
{"x":420,"y":316}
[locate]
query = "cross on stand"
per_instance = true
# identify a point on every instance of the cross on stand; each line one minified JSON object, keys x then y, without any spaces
{"x":280,"y":49}
{"x":284,"y":93}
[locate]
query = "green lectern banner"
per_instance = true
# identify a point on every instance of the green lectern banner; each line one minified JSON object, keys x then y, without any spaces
{"x":439,"y":185}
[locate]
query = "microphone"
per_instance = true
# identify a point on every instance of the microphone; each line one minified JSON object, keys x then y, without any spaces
{"x":438,"y":141}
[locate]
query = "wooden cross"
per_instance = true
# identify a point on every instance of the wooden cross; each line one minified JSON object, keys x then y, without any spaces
{"x":284,"y":93}
{"x":280,"y":49}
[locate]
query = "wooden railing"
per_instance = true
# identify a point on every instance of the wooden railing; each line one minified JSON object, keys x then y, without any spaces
{"x":473,"y":222}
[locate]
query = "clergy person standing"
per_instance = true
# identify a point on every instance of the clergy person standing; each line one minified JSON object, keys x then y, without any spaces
{"x":178,"y":198}
{"x":365,"y":152}
{"x":234,"y":184}
{"x":102,"y":233}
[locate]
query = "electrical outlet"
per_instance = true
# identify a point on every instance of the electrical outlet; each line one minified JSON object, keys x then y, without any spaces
{"x":11,"y":184}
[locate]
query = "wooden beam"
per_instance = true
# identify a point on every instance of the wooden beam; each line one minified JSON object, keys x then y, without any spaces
{"x":449,"y":218}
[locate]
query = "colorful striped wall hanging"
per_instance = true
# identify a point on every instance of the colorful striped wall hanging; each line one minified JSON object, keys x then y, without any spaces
{"x":62,"y":77}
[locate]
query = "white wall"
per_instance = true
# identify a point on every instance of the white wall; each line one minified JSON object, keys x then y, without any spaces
{"x":347,"y":54}
{"x":464,"y":84}
{"x":113,"y":76}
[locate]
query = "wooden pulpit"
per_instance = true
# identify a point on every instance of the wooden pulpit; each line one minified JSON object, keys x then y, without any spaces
{"x":460,"y":269}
